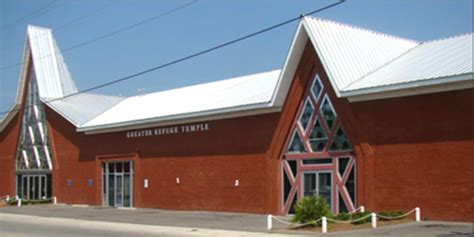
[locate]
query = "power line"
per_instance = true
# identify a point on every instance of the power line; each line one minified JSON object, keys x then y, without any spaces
{"x":62,"y":27}
{"x":110,"y":34}
{"x":41,"y":11}
{"x":219,"y":46}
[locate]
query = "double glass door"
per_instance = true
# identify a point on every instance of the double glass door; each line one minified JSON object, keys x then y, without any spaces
{"x":117,"y":184}
{"x":34,"y":186}
{"x":318,"y":183}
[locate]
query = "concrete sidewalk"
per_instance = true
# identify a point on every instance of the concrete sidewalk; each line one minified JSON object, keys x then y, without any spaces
{"x":157,"y":217}
{"x":187,"y":223}
{"x":63,"y":226}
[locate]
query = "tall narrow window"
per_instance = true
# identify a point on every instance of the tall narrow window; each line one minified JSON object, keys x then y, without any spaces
{"x":33,"y":156}
{"x":33,"y":151}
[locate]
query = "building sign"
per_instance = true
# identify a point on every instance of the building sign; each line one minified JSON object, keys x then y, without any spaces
{"x":198,"y":127}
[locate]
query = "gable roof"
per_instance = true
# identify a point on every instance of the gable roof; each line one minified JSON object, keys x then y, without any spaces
{"x":429,"y":61}
{"x":365,"y":65}
{"x":80,"y":108}
{"x":54,"y":81}
{"x":361,"y":65}
{"x":349,"y":52}
{"x":248,"y":94}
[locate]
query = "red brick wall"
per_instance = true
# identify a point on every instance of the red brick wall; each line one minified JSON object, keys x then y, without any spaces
{"x":207,"y":163}
{"x":8,"y":144}
{"x":423,"y":152}
{"x":411,"y":151}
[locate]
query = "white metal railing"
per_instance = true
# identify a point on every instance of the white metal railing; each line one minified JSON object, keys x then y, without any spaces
{"x":324,"y":220}
{"x":361,"y":209}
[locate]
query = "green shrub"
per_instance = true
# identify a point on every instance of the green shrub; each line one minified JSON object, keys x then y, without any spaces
{"x":359,"y":215}
{"x":12,"y":202}
{"x":343,"y":216}
{"x":310,"y":208}
{"x":392,"y":214}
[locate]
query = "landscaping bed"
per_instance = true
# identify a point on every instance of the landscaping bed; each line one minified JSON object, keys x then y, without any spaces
{"x":335,"y":227}
{"x":313,"y":212}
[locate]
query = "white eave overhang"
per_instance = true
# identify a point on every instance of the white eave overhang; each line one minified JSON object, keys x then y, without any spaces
{"x":233,"y":112}
{"x":418,"y":87}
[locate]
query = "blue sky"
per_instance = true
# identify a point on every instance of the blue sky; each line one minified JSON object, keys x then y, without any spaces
{"x":200,"y":25}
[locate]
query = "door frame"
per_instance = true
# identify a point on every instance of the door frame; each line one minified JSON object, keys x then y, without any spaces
{"x":135,"y":182}
{"x":105,"y":183}
{"x":27,"y":182}
{"x":317,"y":172}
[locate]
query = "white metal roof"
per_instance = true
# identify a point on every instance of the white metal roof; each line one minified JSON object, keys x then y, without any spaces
{"x":54,"y":79}
{"x":366,"y":65}
{"x":430,"y":60}
{"x":241,"y":93}
{"x":359,"y":63}
{"x":80,"y":108}
{"x":349,"y":53}
{"x":51,"y":72}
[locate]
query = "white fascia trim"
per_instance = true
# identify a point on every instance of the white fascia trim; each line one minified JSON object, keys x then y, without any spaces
{"x":450,"y":83}
{"x":25,"y":62}
{"x":7,"y":118}
{"x":20,"y":89}
{"x":314,"y":42}
{"x":289,"y":67}
{"x":240,"y":111}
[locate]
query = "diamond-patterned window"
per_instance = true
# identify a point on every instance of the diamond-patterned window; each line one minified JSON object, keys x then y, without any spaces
{"x":296,"y":145}
{"x":340,"y":142}
{"x":317,"y":87}
{"x":306,"y":115}
{"x":317,"y":137}
{"x":33,"y":151}
{"x":328,"y":113}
